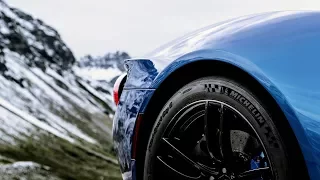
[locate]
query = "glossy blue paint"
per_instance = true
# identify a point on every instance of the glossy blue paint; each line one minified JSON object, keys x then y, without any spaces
{"x":140,"y":74}
{"x":278,"y":49}
{"x":123,"y":126}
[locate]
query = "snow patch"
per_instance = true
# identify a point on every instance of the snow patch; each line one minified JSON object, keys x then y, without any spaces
{"x":98,"y":73}
{"x":3,"y":28}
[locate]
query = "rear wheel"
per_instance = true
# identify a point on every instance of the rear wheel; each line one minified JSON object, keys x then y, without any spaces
{"x":213,"y":128}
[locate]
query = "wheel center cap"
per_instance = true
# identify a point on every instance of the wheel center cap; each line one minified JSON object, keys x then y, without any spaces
{"x":224,"y":170}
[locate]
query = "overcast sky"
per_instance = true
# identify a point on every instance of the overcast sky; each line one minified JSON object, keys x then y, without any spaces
{"x":139,"y":26}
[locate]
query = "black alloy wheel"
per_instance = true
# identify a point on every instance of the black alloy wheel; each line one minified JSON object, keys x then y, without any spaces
{"x":215,"y":129}
{"x":194,"y":147}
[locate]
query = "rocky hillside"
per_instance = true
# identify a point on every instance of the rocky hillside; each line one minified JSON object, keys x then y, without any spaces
{"x":53,"y":123}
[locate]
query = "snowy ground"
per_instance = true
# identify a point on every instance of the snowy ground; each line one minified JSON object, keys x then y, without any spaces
{"x":25,"y":170}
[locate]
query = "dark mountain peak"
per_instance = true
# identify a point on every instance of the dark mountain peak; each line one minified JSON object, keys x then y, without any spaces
{"x":31,"y":38}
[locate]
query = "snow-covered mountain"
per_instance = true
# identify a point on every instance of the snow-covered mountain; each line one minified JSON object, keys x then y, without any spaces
{"x":54,"y":124}
{"x":101,"y":72}
{"x":105,"y":68}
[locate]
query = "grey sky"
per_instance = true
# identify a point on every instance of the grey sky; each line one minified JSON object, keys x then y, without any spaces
{"x":139,"y":26}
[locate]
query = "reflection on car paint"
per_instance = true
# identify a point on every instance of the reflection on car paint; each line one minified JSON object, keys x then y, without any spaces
{"x":141,"y":73}
{"x":124,"y":121}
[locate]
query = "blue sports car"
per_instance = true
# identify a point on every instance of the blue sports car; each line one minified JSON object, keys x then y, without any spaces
{"x":236,"y":100}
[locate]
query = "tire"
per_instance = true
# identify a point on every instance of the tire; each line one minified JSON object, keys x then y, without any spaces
{"x":235,"y":99}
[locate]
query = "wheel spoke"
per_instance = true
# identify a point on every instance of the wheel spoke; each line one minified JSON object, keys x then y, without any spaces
{"x":176,"y":171}
{"x":224,"y":136}
{"x":188,"y":160}
{"x":211,"y":125}
{"x":217,"y":131}
{"x":221,"y":134}
{"x":255,"y":173}
{"x":182,"y":155}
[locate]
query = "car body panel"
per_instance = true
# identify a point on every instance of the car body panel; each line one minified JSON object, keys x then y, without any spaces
{"x":124,"y":123}
{"x":278,"y":49}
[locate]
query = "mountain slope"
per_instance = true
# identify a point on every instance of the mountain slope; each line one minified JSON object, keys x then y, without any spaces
{"x":53,"y":124}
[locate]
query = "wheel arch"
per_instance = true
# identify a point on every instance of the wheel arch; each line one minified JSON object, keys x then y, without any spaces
{"x":195,"y":69}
